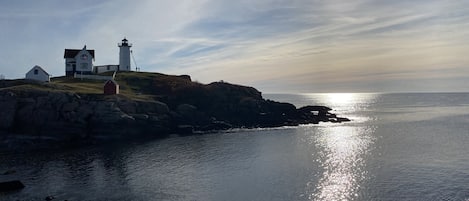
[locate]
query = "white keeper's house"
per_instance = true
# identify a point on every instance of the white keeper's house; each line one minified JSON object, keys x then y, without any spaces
{"x":80,"y":61}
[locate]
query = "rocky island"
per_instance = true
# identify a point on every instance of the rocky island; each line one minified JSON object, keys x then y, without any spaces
{"x":68,"y":111}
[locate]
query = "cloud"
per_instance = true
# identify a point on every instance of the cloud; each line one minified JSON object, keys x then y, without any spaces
{"x":294,"y":45}
{"x":348,"y":39}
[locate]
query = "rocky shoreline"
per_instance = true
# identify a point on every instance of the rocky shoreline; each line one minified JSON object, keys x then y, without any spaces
{"x":37,"y":118}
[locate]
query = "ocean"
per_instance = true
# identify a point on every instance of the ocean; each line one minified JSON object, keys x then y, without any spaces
{"x":400,"y":146}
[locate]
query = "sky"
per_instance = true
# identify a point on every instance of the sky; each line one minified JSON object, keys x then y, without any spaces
{"x":276,"y":46}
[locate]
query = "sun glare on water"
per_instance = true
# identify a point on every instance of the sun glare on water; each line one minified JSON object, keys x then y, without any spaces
{"x":341,"y":98}
{"x":342,"y":147}
{"x":342,"y":157}
{"x":346,"y":104}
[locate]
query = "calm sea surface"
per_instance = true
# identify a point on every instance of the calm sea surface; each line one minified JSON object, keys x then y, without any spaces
{"x":398,"y":147}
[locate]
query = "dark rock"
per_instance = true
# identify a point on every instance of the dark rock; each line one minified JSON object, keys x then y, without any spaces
{"x":187,"y":114}
{"x":128,"y":107}
{"x":310,"y":108}
{"x":83,"y":113}
{"x":8,"y":107}
{"x":8,"y":172}
{"x":69,"y":107}
{"x":141,"y":117}
{"x":338,"y":120}
{"x":7,"y":114}
{"x":153,"y":107}
{"x":185,"y":77}
{"x":185,"y":129}
{"x":217,"y":125}
{"x":250,"y":103}
{"x":187,"y":110}
{"x":49,"y":198}
{"x":109,"y":113}
{"x":11,"y":186}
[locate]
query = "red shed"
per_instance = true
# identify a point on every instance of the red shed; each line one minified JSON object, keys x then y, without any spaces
{"x":111,"y":87}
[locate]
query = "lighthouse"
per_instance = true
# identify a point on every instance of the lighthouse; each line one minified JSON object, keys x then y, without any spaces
{"x":124,"y":55}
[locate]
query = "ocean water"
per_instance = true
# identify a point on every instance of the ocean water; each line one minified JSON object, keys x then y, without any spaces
{"x":411,"y":146}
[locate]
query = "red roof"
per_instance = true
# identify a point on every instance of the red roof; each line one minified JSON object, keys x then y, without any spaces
{"x":72,"y":53}
{"x":111,"y":82}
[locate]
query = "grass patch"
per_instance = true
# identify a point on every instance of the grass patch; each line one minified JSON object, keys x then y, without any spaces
{"x":81,"y":86}
{"x":141,"y":86}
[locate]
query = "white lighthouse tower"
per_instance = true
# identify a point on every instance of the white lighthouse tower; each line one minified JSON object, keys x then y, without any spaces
{"x":124,"y":55}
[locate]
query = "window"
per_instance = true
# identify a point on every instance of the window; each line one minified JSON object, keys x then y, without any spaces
{"x":84,"y":66}
{"x":108,"y":67}
{"x":36,"y":72}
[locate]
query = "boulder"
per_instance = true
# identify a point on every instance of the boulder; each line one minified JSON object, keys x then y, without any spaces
{"x":185,"y":77}
{"x":109,"y":113}
{"x":250,"y":103}
{"x":216,"y":126}
{"x":185,"y":129}
{"x":310,"y":108}
{"x":141,"y":117}
{"x":83,"y":114}
{"x":187,"y":110}
{"x":44,"y":116}
{"x":128,"y":107}
{"x":189,"y":114}
{"x":70,"y":107}
{"x":9,"y":172}
{"x":160,"y":107}
{"x":339,"y":119}
{"x":25,"y":111}
{"x":153,"y":107}
{"x":11,"y":186}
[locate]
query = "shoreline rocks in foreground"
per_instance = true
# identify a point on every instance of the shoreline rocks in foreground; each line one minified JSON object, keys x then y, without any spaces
{"x":47,"y":116}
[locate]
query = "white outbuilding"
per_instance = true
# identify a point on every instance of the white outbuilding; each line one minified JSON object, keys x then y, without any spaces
{"x":39,"y":74}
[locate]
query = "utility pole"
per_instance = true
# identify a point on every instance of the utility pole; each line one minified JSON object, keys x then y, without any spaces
{"x":137,"y":69}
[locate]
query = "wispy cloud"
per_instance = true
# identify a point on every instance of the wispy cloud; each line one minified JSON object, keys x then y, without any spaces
{"x":276,"y":45}
{"x":346,"y":39}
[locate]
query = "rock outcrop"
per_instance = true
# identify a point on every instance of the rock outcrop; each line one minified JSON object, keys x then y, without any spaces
{"x":57,"y":117}
{"x":54,"y":118}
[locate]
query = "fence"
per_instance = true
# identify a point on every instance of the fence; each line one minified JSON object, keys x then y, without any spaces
{"x":95,"y":77}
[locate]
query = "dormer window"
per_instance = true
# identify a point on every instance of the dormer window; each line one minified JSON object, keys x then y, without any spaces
{"x":84,"y":56}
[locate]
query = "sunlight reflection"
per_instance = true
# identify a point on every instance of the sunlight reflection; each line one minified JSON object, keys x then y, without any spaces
{"x":351,"y":105}
{"x":341,"y":98}
{"x":342,"y":157}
